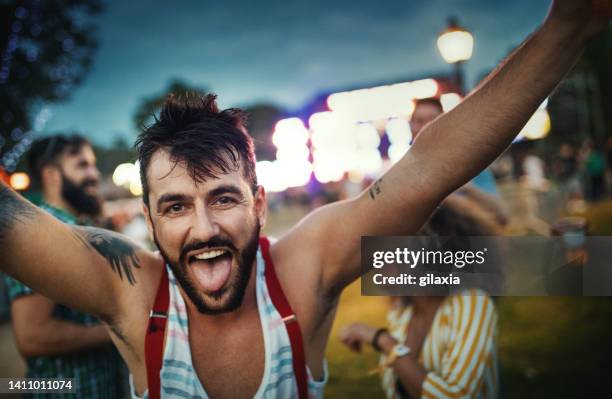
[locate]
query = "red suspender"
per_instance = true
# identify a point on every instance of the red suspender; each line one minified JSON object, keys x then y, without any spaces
{"x":154,"y":340}
{"x":291,"y":322}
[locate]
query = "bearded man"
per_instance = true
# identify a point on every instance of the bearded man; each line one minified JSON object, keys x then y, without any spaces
{"x":57,"y":341}
{"x":224,"y":313}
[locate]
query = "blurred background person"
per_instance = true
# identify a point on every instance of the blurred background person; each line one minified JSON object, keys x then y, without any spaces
{"x":439,"y":346}
{"x":565,"y":167}
{"x":58,"y":342}
{"x":594,"y":164}
{"x":483,"y":187}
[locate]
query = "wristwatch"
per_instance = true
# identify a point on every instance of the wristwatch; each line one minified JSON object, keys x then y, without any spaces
{"x":399,"y":350}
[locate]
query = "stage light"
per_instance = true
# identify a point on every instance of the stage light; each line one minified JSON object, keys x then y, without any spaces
{"x":398,"y":131}
{"x":449,"y":101}
{"x":289,"y":132}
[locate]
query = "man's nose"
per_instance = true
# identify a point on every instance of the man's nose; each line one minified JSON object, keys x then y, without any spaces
{"x":204,"y":226}
{"x":93,"y":173}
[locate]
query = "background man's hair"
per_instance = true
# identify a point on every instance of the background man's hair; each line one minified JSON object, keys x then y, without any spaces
{"x":47,"y":151}
{"x":429,"y":101}
{"x":194,"y":131}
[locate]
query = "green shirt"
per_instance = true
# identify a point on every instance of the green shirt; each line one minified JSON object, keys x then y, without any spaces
{"x":98,"y":372}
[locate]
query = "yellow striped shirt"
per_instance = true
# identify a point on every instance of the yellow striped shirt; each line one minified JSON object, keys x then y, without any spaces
{"x":459,"y":352}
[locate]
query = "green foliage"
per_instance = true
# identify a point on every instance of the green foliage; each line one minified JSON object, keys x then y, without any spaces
{"x":46,"y":50}
{"x":261,"y":117}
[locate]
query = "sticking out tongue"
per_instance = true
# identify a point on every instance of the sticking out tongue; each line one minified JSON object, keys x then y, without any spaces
{"x":212,"y":274}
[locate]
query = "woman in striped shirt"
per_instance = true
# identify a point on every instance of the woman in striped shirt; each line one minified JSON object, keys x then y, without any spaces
{"x":436,"y":346}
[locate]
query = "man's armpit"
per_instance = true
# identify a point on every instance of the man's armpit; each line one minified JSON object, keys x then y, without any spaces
{"x":119,"y":253}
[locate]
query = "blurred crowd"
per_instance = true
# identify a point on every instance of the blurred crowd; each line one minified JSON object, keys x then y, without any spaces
{"x":514,"y":193}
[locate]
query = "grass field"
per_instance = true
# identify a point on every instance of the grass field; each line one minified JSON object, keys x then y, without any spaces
{"x":549,"y":347}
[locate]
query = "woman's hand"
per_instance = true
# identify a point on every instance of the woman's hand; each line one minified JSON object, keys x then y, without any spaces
{"x":356,"y":335}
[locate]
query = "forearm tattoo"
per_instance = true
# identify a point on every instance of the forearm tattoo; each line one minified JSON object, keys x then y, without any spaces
{"x":13,"y":209}
{"x":118,"y":252}
{"x":375,"y":189}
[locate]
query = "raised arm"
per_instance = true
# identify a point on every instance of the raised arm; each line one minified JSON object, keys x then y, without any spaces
{"x":455,"y":147}
{"x":88,"y":269}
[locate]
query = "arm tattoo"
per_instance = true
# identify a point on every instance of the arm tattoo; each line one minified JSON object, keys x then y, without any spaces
{"x":13,"y":209}
{"x":375,"y":189}
{"x":118,"y":252}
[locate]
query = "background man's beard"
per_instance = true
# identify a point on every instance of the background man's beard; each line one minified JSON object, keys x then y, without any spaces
{"x":236,"y":288}
{"x":78,"y":199}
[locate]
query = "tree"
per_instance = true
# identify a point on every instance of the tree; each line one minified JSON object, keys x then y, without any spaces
{"x":261,"y":117}
{"x":46,"y":50}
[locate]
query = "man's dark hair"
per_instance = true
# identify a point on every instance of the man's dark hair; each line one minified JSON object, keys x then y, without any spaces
{"x":47,"y":151}
{"x":429,"y":101}
{"x":193,"y":130}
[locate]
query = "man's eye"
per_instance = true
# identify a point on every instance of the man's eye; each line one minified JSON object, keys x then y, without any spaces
{"x":175,"y":208}
{"x":225,"y":201}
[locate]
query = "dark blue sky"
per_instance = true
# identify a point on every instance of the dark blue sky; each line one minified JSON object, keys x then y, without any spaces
{"x":275,"y":51}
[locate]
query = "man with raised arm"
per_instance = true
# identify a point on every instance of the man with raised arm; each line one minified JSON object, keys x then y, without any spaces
{"x":233,"y":316}
{"x":56,"y":341}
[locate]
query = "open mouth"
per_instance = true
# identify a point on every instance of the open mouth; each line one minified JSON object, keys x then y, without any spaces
{"x":211,"y":268}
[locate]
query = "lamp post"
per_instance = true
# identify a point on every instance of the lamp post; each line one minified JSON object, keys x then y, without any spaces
{"x":456,"y":45}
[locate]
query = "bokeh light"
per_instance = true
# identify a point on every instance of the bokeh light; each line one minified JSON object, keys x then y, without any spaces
{"x":20,"y":181}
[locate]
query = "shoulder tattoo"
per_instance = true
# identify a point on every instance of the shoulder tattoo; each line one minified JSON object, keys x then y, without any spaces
{"x":119,"y":253}
{"x":13,"y":209}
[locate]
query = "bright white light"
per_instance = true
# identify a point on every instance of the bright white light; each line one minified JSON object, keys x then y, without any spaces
{"x":289,"y":132}
{"x":369,"y":162}
{"x":366,"y":136}
{"x":424,"y":88}
{"x":136,"y":188}
{"x":295,"y":173}
{"x":328,"y":166}
{"x":456,"y":45}
{"x":397,"y":151}
{"x":449,"y":101}
{"x":279,"y":175}
{"x":398,"y":131}
{"x":538,"y":126}
{"x":19,"y":181}
{"x":127,"y":175}
{"x":380,"y":102}
{"x":124,"y":174}
{"x":267,"y":176}
{"x":298,"y":152}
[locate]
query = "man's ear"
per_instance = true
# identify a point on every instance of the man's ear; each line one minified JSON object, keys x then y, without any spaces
{"x":261,"y":205}
{"x":147,"y":216}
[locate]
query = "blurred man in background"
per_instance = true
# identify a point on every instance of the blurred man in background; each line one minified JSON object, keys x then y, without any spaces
{"x":482,"y":188}
{"x":57,"y":341}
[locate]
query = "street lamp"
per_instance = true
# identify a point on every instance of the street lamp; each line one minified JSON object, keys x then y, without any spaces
{"x":456,"y":45}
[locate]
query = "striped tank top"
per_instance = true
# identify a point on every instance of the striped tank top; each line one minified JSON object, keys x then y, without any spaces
{"x":178,"y":377}
{"x":459,"y":352}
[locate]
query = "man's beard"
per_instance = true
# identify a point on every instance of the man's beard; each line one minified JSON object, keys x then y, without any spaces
{"x":76,"y":196}
{"x":235,"y":289}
